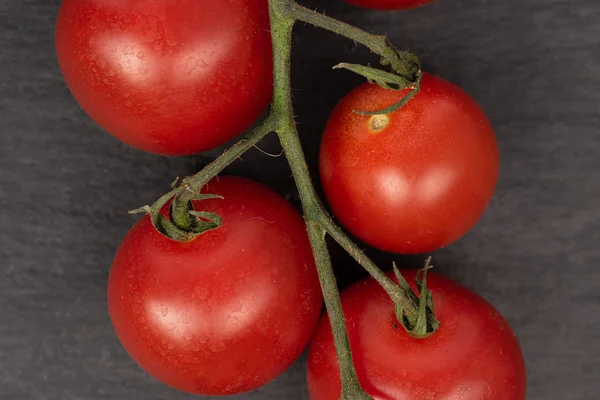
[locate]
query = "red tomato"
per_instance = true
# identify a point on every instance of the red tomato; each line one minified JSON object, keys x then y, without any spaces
{"x":414,"y":180}
{"x":474,"y":355}
{"x":389,"y":4}
{"x":226,"y":312}
{"x":165,"y":76}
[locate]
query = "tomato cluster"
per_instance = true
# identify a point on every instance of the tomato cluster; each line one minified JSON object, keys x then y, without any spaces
{"x":230,"y":309}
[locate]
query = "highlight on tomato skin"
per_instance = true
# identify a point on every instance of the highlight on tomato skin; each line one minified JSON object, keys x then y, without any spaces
{"x":389,"y":4}
{"x":416,"y":180}
{"x":171,"y":78}
{"x":228,"y":311}
{"x":473,"y":355}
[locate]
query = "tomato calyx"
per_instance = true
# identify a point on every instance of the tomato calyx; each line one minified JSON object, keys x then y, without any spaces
{"x":383,"y":78}
{"x":387,"y":80}
{"x":425,"y":323}
{"x":184,"y":222}
{"x":185,"y":217}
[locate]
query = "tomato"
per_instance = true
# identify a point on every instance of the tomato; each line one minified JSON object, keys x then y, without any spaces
{"x":474,"y":355}
{"x":414,"y":180}
{"x":227,"y":311}
{"x":168,"y":77}
{"x":389,"y":4}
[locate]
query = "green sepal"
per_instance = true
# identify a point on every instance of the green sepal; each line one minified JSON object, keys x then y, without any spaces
{"x":386,"y":80}
{"x":201,"y":221}
{"x":205,"y":221}
{"x":383,"y":78}
{"x":426,"y":322}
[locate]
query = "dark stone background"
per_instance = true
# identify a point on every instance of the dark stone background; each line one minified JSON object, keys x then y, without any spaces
{"x":65,"y":186}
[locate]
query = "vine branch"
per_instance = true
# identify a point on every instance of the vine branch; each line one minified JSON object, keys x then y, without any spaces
{"x":281,"y":32}
{"x":184,"y":221}
{"x":403,"y":63}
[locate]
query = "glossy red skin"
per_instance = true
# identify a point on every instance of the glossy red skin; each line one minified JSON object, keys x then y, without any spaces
{"x":423,"y":181}
{"x":226,"y":312}
{"x":389,"y":4}
{"x":473,"y":356}
{"x":171,"y":77}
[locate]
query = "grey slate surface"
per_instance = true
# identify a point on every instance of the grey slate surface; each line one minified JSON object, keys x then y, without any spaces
{"x":65,"y":185}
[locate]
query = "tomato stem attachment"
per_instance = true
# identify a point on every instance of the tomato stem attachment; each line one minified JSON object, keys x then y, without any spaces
{"x":401,"y":294}
{"x":185,"y":223}
{"x":424,"y":323}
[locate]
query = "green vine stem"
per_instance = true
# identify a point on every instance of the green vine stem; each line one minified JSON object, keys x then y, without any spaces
{"x":188,"y":189}
{"x":185,"y":223}
{"x":281,"y":31}
{"x":403,"y":63}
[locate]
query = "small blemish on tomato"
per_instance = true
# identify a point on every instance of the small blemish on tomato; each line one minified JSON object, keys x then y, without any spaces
{"x":377,"y":123}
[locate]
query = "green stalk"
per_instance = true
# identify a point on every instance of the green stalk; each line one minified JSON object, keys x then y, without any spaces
{"x":281,"y":31}
{"x":283,"y":15}
{"x":193,"y":184}
{"x":403,"y":63}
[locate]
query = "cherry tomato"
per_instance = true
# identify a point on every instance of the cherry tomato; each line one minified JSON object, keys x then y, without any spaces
{"x":474,"y":355}
{"x":165,"y":76}
{"x":414,"y":180}
{"x":389,"y":4}
{"x":227,"y":311}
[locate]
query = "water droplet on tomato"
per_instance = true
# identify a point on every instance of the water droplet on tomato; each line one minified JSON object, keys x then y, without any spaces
{"x":236,"y":306}
{"x":202,"y":292}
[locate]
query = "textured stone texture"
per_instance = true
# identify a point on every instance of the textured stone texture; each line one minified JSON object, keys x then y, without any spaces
{"x":65,"y":186}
